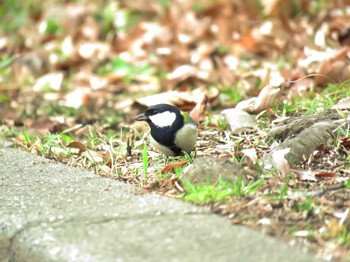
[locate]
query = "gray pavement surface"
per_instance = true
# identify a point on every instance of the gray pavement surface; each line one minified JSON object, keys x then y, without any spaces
{"x":53,"y":212}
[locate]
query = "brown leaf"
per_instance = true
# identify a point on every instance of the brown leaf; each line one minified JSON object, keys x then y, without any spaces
{"x":251,"y":155}
{"x":224,"y":72}
{"x":93,"y":156}
{"x":247,"y":43}
{"x":147,"y":187}
{"x":78,"y":145}
{"x":326,"y":174}
{"x":225,"y":156}
{"x":266,"y":99}
{"x":305,"y":175}
{"x":171,"y":167}
{"x":58,"y":128}
{"x":31,"y":64}
{"x":280,"y":162}
{"x":42,"y":123}
{"x":336,"y":68}
{"x":33,"y":145}
{"x":198,"y":112}
{"x":186,"y":101}
{"x":345,"y":142}
{"x":107,"y":159}
{"x":301,"y":87}
{"x":342,"y":104}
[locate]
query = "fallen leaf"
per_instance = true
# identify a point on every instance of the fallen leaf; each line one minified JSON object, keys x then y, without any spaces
{"x":342,"y":104}
{"x":171,"y":167}
{"x":186,"y":101}
{"x":93,"y":156}
{"x":344,"y":37}
{"x":31,"y":64}
{"x":266,"y":99}
{"x":251,"y":154}
{"x":336,"y":68}
{"x":58,"y":128}
{"x":107,"y":159}
{"x":305,"y":175}
{"x":94,"y":50}
{"x":30,"y":146}
{"x":51,"y":81}
{"x":147,"y":187}
{"x":42,"y":124}
{"x":345,"y":142}
{"x":301,"y":87}
{"x":78,"y":97}
{"x":280,"y":162}
{"x":326,"y":174}
{"x":78,"y":145}
{"x":198,"y":112}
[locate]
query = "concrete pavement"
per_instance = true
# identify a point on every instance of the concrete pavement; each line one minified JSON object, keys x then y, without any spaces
{"x":53,"y":212}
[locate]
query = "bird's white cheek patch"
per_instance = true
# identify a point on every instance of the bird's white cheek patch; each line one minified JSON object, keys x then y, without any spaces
{"x":163,"y":119}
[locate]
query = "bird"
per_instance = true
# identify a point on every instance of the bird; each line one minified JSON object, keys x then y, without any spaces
{"x":172,"y":130}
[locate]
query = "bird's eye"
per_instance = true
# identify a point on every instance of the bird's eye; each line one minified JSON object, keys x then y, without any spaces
{"x":152,"y":111}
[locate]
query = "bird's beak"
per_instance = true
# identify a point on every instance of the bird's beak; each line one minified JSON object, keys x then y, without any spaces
{"x":141,"y":117}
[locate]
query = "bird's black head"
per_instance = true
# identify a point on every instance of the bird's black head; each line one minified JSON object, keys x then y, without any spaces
{"x":161,"y":115}
{"x":164,"y":120}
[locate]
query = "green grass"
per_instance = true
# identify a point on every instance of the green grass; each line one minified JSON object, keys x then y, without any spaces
{"x":6,"y":61}
{"x":145,"y":161}
{"x":220,"y":191}
{"x":51,"y":27}
{"x":207,"y":193}
{"x":57,"y":142}
{"x":284,"y":189}
{"x":315,"y":101}
{"x":16,"y":14}
{"x":233,"y":93}
{"x":306,"y":205}
{"x":345,"y":237}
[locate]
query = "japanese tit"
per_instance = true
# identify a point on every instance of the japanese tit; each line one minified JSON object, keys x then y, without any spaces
{"x":172,"y":131}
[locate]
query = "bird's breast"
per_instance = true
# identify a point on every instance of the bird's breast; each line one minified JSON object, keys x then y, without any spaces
{"x":186,"y":137}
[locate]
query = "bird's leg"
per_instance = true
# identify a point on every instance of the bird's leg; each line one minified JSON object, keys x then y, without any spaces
{"x":165,"y":158}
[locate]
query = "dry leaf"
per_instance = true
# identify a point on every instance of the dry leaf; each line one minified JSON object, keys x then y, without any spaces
{"x":305,"y":175}
{"x":251,"y":154}
{"x":107,"y":159}
{"x":78,"y":97}
{"x":326,"y":174}
{"x":78,"y":145}
{"x":186,"y":101}
{"x":342,"y":104}
{"x":58,"y":128}
{"x":345,"y":142}
{"x":171,"y":167}
{"x":52,"y":81}
{"x":42,"y":124}
{"x":301,"y":87}
{"x":280,"y":162}
{"x":336,"y":68}
{"x":93,"y":156}
{"x":198,"y":112}
{"x":266,"y":99}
